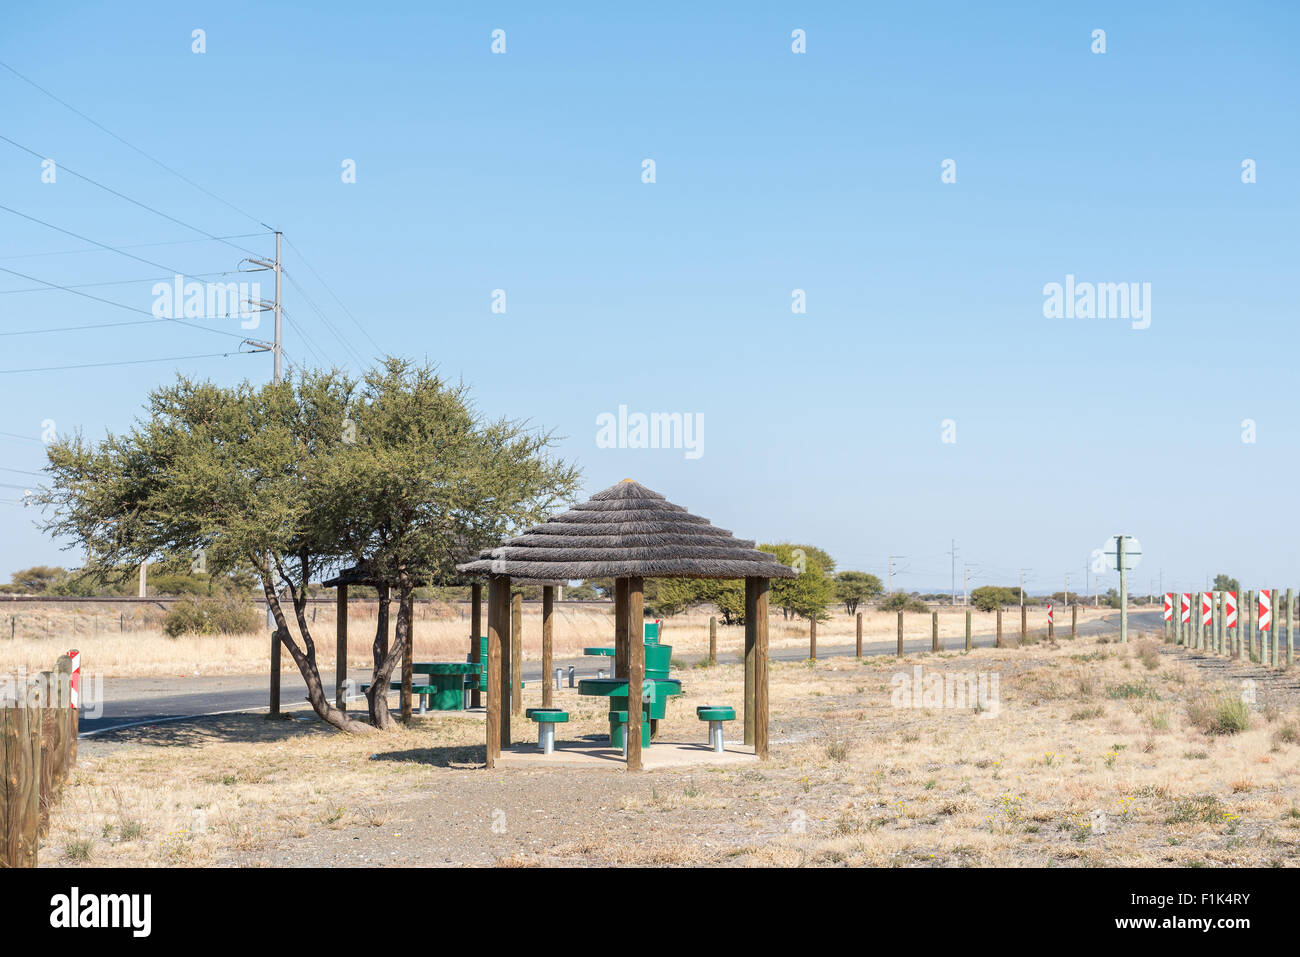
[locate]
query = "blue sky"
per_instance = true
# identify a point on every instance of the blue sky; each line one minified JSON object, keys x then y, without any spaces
{"x":775,"y":171}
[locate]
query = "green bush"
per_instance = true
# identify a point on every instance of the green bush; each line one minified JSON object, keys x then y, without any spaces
{"x":210,"y":617}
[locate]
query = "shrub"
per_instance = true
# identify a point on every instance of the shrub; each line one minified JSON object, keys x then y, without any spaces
{"x":1148,"y":652}
{"x":210,"y":617}
{"x":1219,"y":713}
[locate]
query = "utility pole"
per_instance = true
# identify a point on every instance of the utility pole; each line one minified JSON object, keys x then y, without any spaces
{"x":276,"y":348}
{"x":891,"y":571}
{"x":1022,"y":585}
{"x":952,"y":555}
{"x":1067,"y":588}
{"x":276,"y":345}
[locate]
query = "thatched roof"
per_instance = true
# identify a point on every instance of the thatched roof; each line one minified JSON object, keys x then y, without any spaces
{"x":363,"y":575}
{"x":627,"y":531}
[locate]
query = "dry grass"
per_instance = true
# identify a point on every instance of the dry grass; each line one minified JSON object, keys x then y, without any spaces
{"x":119,"y":643}
{"x":1082,"y":733}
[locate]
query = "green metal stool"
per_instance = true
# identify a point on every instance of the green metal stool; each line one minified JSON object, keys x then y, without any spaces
{"x":715,"y":715}
{"x":547,"y":719}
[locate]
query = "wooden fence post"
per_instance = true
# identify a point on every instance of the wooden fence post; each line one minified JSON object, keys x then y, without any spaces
{"x":812,"y":636}
{"x":1277,"y":627}
{"x":1074,"y":620}
{"x":900,"y":634}
{"x":713,"y":640}
{"x":20,"y":785}
{"x":999,"y":642}
{"x":1290,"y":647}
{"x":968,"y":629}
{"x":934,"y":631}
{"x":858,"y":652}
{"x":1024,"y":621}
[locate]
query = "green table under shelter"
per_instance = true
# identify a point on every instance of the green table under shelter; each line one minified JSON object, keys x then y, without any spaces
{"x":629,"y":533}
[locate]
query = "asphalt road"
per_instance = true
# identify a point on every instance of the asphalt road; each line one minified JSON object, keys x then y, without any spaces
{"x":131,"y":702}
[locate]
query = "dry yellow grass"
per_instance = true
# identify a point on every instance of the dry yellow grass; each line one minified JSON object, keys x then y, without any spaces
{"x":131,"y":644}
{"x":1085,"y":733}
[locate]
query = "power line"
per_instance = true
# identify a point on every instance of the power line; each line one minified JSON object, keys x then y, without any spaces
{"x":120,"y":195}
{"x":128,"y":362}
{"x":121,"y":282}
{"x":121,"y":305}
{"x":153,"y":159}
{"x":166,"y":242}
{"x":335,"y":297}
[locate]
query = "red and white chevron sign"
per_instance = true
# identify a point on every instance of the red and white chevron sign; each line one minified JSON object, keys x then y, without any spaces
{"x":1169,"y":606}
{"x":1185,"y":608}
{"x":1050,"y":615}
{"x":1229,"y":609}
{"x":75,"y":684}
{"x":1265,"y":610}
{"x":1207,"y":608}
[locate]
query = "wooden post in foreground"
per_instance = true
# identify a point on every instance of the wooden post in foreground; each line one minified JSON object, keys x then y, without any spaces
{"x":1074,"y":620}
{"x":858,"y":652}
{"x":1274,"y":657}
{"x":812,"y":636}
{"x":999,"y":641}
{"x":635,"y":672}
{"x":749,"y":658}
{"x":517,"y":654}
{"x":934,"y":631}
{"x":548,"y":654}
{"x":713,"y":640}
{"x":900,"y":634}
{"x":475,"y":632}
{"x":341,"y":648}
{"x":20,"y":791}
{"x":968,"y":629}
{"x":1024,"y":622}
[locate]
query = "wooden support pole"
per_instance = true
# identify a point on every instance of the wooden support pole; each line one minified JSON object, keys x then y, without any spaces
{"x":1024,"y":623}
{"x":812,"y":637}
{"x":1248,"y":633}
{"x":858,"y":646}
{"x":498,"y":673}
{"x":475,"y":632}
{"x":934,"y":631}
{"x":713,"y":640}
{"x":749,"y":657}
{"x":622,"y":628}
{"x":406,"y":608}
{"x":758,"y":615}
{"x":1074,"y":620}
{"x":341,"y":648}
{"x":999,"y":641}
{"x":1051,"y":626}
{"x":517,"y":653}
{"x":635,"y":672}
{"x":548,"y":654}
{"x":968,"y":637}
{"x":900,"y":634}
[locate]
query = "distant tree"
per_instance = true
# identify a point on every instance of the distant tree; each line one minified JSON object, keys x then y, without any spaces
{"x":38,"y":578}
{"x":1226,"y":583}
{"x":902,"y":601}
{"x":993,"y":597}
{"x":812,"y":591}
{"x":853,"y":588}
{"x":584,"y":591}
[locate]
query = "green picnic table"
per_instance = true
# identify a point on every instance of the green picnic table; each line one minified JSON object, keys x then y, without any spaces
{"x":445,"y":688}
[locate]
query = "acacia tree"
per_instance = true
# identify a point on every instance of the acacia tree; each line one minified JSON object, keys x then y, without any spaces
{"x":231,"y":474}
{"x":280,"y":480}
{"x":425,"y":482}
{"x":853,"y":588}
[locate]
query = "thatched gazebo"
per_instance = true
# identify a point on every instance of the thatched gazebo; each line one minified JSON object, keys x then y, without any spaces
{"x":628,"y":533}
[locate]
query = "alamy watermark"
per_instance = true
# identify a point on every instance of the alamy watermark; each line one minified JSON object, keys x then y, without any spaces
{"x":1101,"y":300}
{"x":654,"y":430}
{"x":181,"y":299}
{"x":966,"y":689}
